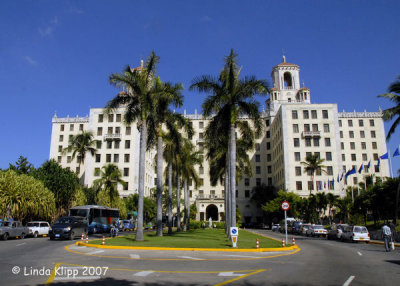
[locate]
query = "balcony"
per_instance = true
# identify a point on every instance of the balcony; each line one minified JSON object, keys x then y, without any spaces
{"x":311,"y":134}
{"x":115,"y":136}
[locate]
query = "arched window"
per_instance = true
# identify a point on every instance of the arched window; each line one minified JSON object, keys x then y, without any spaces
{"x":287,"y":79}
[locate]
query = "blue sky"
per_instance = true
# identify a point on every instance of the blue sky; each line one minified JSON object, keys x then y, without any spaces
{"x":57,"y":55}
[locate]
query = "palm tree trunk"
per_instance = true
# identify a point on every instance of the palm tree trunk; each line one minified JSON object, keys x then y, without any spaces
{"x":170,"y":198}
{"x":142,"y":161}
{"x":227,"y":202}
{"x":232,"y":179}
{"x":159,"y":186}
{"x":186,"y":206}
{"x":396,"y":208}
{"x":178,"y":202}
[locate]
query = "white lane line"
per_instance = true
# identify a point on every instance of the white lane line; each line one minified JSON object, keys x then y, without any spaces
{"x":21,"y":244}
{"x":359,"y":253}
{"x":77,"y":247}
{"x":189,"y":257}
{"x":136,"y":256}
{"x":348,"y":281}
{"x":229,"y":274}
{"x":95,"y":252}
{"x":143,"y":273}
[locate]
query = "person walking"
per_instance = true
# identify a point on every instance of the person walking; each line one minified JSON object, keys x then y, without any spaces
{"x":387,"y":237}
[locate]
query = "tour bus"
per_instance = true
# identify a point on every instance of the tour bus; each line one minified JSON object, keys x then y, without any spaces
{"x":99,"y":218}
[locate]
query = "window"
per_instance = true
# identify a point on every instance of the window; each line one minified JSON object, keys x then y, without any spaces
{"x":247,"y":193}
{"x":111,"y":118}
{"x":310,"y":186}
{"x":343,"y":157}
{"x":374,"y":146}
{"x":363,"y":145}
{"x":350,"y":123}
{"x":294,"y":114}
{"x":373,"y":134}
{"x":201,"y":182}
{"x":236,"y":193}
{"x":118,"y":118}
{"x":116,"y":158}
{"x":59,"y":159}
{"x":295,"y":128}
{"x":355,"y":180}
{"x":201,"y":146}
{"x":62,"y":127}
{"x":308,"y":142}
{"x":61,"y":138}
{"x":299,"y":186}
{"x":269,"y":158}
{"x":117,"y":130}
{"x":269,"y":169}
{"x":269,"y":181}
{"x":362,"y":134}
{"x":351,"y":134}
{"x":327,"y":142}
{"x":268,"y":145}
{"x":99,"y":131}
{"x":247,"y":182}
{"x":267,"y":122}
{"x":110,"y":130}
{"x":329,"y":170}
{"x":258,"y":181}
{"x":128,"y":130}
{"x":376,"y":168}
{"x":328,"y":156}
{"x":360,"y":122}
{"x":305,"y":114}
{"x":316,"y":142}
{"x":68,"y":159}
{"x":200,"y":135}
{"x":127,"y":144}
{"x":298,"y":171}
{"x":371,"y":123}
{"x":70,"y":137}
{"x":77,"y":170}
{"x":71,"y":127}
{"x":306,"y":127}
{"x":98,"y":144}
{"x":353,"y":157}
{"x":296,"y":142}
{"x":258,"y":158}
{"x":80,"y":127}
{"x":101,"y":116}
{"x":108,"y":158}
{"x":96,"y":172}
{"x":342,"y":145}
{"x":126,"y":158}
{"x":126,"y":186}
{"x":340,"y":123}
{"x":352,"y":145}
{"x":297,"y":156}
{"x":341,"y":134}
{"x":201,"y":171}
{"x":98,"y":158}
{"x":126,"y":172}
{"x":60,"y":148}
{"x":313,"y":114}
{"x":375,"y":157}
{"x":258,"y":147}
{"x":116,"y":145}
{"x":364,"y":157}
{"x":268,"y":135}
{"x":201,"y":124}
{"x":325,"y":114}
{"x":258,"y":170}
{"x":315,"y":127}
{"x":109,"y":144}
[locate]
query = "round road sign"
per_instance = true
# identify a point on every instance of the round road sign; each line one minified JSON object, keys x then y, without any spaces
{"x":285,"y":205}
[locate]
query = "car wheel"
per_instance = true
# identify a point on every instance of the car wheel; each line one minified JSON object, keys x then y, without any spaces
{"x":5,"y":236}
{"x":51,"y":237}
{"x":22,"y":236}
{"x":35,"y":235}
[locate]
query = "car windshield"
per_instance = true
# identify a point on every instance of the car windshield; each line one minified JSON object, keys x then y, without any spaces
{"x":64,"y":220}
{"x":318,"y":227}
{"x":33,"y":224}
{"x":360,"y":229}
{"x":6,"y":223}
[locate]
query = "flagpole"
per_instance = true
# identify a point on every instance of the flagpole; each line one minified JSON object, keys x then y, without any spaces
{"x":390,"y":165}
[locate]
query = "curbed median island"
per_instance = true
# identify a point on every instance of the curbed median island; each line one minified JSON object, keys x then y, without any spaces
{"x":199,"y":239}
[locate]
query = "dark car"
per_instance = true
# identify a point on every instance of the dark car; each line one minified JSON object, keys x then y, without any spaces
{"x":68,"y":227}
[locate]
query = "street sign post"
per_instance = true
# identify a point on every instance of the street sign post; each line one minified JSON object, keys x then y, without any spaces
{"x":234,"y":231}
{"x":285,"y":206}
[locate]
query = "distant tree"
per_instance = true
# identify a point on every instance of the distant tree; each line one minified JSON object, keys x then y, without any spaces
{"x":313,"y":164}
{"x":22,"y":166}
{"x":193,"y":211}
{"x":331,"y":200}
{"x":274,"y":206}
{"x":79,"y":198}
{"x":149,"y":210}
{"x":261,"y":195}
{"x":109,"y":179}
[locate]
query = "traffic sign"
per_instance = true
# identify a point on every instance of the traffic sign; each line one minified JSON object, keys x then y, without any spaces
{"x":234,"y":231}
{"x":285,"y":206}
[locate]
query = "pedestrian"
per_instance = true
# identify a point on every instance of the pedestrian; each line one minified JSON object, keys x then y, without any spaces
{"x":387,"y":237}
{"x":393,"y":230}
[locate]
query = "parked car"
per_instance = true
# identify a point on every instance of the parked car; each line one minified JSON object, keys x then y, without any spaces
{"x":317,"y":230}
{"x":303,"y":228}
{"x":38,"y":228}
{"x":68,"y":227}
{"x":355,"y":233}
{"x":13,"y":229}
{"x":275,"y":227}
{"x":336,"y":231}
{"x":294,"y":227}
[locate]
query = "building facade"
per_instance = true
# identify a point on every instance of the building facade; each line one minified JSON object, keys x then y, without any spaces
{"x":294,"y":127}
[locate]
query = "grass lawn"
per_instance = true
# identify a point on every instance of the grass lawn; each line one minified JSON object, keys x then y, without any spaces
{"x":199,"y":238}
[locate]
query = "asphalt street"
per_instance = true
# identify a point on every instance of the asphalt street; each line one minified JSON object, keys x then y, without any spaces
{"x":318,"y":262}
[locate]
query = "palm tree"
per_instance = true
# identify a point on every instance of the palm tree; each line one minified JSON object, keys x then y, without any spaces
{"x":109,"y":178}
{"x":161,"y":117}
{"x":80,"y":144}
{"x":332,"y":199}
{"x":138,"y":101}
{"x":313,"y":164}
{"x":231,"y":97}
{"x":389,"y":114}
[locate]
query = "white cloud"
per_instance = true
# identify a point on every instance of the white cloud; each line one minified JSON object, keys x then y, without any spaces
{"x":30,"y":60}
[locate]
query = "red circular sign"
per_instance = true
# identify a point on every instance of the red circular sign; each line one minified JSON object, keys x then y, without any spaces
{"x":285,"y":205}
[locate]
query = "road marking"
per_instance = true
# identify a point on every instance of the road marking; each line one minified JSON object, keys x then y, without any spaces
{"x":21,"y":244}
{"x":229,"y":274}
{"x":189,"y":257}
{"x":143,"y":273}
{"x":359,"y":253}
{"x":240,"y":277}
{"x":348,"y":281}
{"x":136,"y":256}
{"x":244,"y":256}
{"x":95,"y":252}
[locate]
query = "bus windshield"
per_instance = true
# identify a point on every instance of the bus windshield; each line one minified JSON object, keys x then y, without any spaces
{"x":79,"y":212}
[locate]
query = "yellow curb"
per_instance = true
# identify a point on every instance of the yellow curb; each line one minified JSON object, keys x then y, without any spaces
{"x":187,"y":249}
{"x":382,"y":243}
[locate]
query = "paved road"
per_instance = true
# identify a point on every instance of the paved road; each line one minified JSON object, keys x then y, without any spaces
{"x":319,"y":262}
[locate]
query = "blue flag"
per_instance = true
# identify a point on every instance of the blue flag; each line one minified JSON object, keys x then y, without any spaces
{"x":369,"y":164}
{"x":361,"y":168}
{"x":325,"y":185}
{"x":333,"y":182}
{"x":341,"y":177}
{"x":396,"y":152}
{"x":350,"y":172}
{"x":385,"y":156}
{"x":379,"y":162}
{"x":337,"y":180}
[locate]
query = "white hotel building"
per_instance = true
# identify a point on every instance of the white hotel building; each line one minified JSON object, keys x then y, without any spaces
{"x":294,"y":128}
